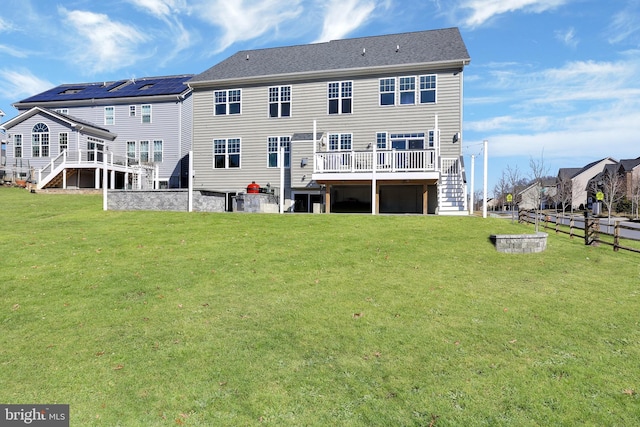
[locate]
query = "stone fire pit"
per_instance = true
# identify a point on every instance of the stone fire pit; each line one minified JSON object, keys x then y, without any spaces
{"x":520,"y":243}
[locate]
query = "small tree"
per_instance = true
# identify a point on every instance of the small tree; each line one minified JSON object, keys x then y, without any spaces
{"x":564,"y":191}
{"x":612,"y":185}
{"x":538,"y":171}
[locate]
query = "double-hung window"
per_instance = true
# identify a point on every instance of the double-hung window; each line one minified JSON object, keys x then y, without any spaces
{"x":132,"y":110}
{"x":428,"y":89}
{"x":226,"y":153}
{"x":109,"y":115}
{"x":40,"y":140}
{"x":408,"y":90}
{"x":280,"y":101}
{"x":17,"y":146}
{"x":63,"y":141}
{"x":381,"y":140}
{"x":340,"y":141}
{"x":407,"y":86}
{"x":227,"y":102}
{"x":131,"y":150}
{"x":273,"y":143}
{"x":388,"y":91}
{"x":144,"y":151}
{"x":157,"y":150}
{"x":340,"y":96}
{"x":145,"y":112}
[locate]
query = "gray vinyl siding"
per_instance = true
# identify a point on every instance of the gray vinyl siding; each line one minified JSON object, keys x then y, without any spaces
{"x":309,"y":102}
{"x":165,"y":117}
{"x":25,"y":129}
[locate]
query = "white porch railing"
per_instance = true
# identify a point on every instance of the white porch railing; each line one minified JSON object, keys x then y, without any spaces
{"x":82,"y":158}
{"x":381,"y":160}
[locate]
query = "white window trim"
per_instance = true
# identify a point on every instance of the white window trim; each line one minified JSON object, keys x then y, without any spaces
{"x":227,"y":102}
{"x":148,"y":151}
{"x":226,"y":153}
{"x":59,"y":144}
{"x":400,"y":91}
{"x":339,"y":135}
{"x":113,"y":117}
{"x":280,"y":140}
{"x":135,"y":149}
{"x":340,"y":97}
{"x":21,"y":146}
{"x":279,"y":102}
{"x":142,"y":115}
{"x":386,"y":140}
{"x":133,"y":109}
{"x":397,"y":92}
{"x":153,"y":151}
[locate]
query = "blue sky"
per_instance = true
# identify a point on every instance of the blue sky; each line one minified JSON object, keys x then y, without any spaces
{"x":557,"y":79}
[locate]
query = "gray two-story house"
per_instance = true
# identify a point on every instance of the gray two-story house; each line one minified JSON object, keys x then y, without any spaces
{"x":370,"y":124}
{"x":138,"y":130}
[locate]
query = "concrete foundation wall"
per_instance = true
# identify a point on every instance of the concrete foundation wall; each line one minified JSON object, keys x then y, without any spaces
{"x":164,"y":200}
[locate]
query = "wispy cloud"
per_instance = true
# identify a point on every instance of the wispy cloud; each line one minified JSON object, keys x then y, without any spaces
{"x":5,"y":26}
{"x":16,"y":53}
{"x":102,"y":44}
{"x":242,"y":20}
{"x":478,"y":12}
{"x":565,"y":111}
{"x":343,"y":16}
{"x":568,"y":37}
{"x":169,"y":12}
{"x":625,"y":24}
{"x":19,"y":83}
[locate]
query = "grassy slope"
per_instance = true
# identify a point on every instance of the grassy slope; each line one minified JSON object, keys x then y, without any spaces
{"x":149,"y":318}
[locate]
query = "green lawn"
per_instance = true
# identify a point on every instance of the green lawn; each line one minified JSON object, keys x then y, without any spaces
{"x":161,"y":318}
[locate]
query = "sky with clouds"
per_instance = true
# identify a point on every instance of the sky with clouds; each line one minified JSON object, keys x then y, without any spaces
{"x":551,"y":79}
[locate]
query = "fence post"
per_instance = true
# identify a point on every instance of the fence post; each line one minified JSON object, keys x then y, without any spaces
{"x":616,"y":237}
{"x":587,"y":228}
{"x":571,"y":225}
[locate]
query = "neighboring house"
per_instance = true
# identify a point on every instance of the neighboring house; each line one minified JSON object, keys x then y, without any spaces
{"x":580,"y":178}
{"x":369,"y":124}
{"x":539,"y":195}
{"x":630,"y":169}
{"x":139,"y":128}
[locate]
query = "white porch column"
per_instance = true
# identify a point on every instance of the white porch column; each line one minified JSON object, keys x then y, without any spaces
{"x":105,"y":181}
{"x":97,"y":179}
{"x":374,"y":182}
{"x":190,"y":181}
{"x":486,"y":164}
{"x":64,"y":179}
{"x":281,"y":162}
{"x":473,"y":180}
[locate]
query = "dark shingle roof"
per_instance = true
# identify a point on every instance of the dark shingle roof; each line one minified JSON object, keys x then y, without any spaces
{"x":148,"y":86}
{"x":568,"y":172}
{"x":445,"y":45}
{"x":629,"y":164}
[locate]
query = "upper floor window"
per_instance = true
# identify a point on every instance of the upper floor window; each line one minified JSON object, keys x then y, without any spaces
{"x":157,"y":150}
{"x":427,"y":89}
{"x":340,"y":95}
{"x":226,"y":153}
{"x":227,"y":102}
{"x":280,"y":101}
{"x":109,"y":115}
{"x":274,"y":142}
{"x":63,"y":141}
{"x":408,"y":90}
{"x":387,"y":91}
{"x":17,"y":146}
{"x":62,"y":110}
{"x":40,"y":140}
{"x":132,"y":110}
{"x":145,"y":112}
{"x":340,"y":141}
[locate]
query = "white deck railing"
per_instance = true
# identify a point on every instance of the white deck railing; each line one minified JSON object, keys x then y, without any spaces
{"x":381,"y":160}
{"x":83,"y":158}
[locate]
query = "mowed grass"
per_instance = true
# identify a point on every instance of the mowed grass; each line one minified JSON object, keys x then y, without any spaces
{"x":164,"y":318}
